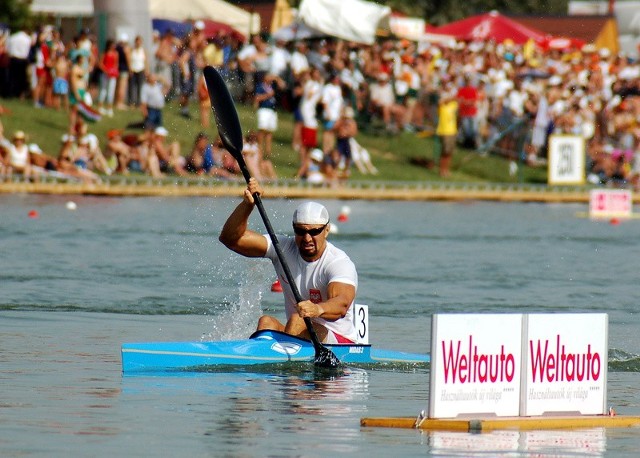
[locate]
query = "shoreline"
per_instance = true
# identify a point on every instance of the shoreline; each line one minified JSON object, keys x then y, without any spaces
{"x":401,"y":191}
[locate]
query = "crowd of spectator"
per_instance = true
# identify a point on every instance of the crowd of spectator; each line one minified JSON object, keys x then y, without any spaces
{"x":466,"y":94}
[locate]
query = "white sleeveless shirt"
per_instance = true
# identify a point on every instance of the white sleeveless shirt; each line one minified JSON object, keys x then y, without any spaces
{"x":313,"y":279}
{"x":18,"y":156}
{"x":138,"y":60}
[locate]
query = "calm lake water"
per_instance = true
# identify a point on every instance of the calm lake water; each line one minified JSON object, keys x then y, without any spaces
{"x":75,"y":285}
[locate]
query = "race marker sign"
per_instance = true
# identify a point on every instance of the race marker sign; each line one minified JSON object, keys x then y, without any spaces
{"x":475,"y":365}
{"x":565,"y":364}
{"x":566,"y":160}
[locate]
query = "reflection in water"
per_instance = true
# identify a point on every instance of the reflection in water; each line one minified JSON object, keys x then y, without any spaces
{"x":590,"y":442}
{"x":252,"y":407}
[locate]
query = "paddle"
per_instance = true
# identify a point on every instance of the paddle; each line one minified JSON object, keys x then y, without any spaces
{"x":231,"y":134}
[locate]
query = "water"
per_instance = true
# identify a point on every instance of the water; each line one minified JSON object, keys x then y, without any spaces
{"x":74,"y":285}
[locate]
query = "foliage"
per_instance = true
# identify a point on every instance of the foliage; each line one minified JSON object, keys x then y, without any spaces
{"x":15,"y":13}
{"x":438,"y":12}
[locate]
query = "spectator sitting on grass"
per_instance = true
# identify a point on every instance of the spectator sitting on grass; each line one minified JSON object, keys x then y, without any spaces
{"x":259,"y":167}
{"x":67,"y":160}
{"x":169,"y":157}
{"x":201,"y":160}
{"x":96,"y":160}
{"x":117,"y":148}
{"x":41,"y":163}
{"x":16,"y":155}
{"x":314,"y":171}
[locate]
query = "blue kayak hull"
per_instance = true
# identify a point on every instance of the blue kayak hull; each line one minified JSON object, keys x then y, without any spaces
{"x":264,"y":347}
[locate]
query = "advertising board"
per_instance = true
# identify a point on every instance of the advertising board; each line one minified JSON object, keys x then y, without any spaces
{"x":565,"y":364}
{"x":475,"y":365}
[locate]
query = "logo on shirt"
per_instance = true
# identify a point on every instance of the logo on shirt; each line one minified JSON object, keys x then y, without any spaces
{"x":315,"y":296}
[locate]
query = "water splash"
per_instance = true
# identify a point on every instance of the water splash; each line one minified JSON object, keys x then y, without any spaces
{"x":240,"y":320}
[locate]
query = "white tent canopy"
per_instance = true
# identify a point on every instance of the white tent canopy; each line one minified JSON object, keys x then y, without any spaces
{"x":353,"y":20}
{"x":63,"y":8}
{"x":216,"y":10}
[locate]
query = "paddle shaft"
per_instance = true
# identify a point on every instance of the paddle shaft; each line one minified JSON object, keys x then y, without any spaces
{"x":231,"y":135}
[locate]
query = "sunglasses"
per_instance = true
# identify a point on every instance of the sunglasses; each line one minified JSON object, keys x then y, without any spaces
{"x":312,"y":232}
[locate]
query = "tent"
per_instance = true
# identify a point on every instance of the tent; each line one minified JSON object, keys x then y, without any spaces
{"x":353,"y":20}
{"x":179,"y":29}
{"x":214,"y":28}
{"x":490,"y":26}
{"x":216,"y":10}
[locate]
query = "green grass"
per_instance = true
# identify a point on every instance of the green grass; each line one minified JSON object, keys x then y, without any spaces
{"x":390,"y":154}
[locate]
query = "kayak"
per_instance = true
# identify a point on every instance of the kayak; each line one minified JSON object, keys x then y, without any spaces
{"x":263,"y":347}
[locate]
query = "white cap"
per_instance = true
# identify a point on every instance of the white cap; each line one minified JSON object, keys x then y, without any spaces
{"x":161,"y":131}
{"x":199,"y":25}
{"x":311,"y":213}
{"x":35,"y":149}
{"x":317,"y":155}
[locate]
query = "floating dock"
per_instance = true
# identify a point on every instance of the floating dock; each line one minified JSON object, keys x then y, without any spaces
{"x":504,"y":423}
{"x":370,"y":190}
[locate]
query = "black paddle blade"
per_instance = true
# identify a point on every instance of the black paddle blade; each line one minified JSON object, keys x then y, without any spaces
{"x":225,"y":112}
{"x":326,"y":359}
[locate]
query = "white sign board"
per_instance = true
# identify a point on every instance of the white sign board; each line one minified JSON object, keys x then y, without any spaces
{"x":565,"y":364}
{"x":610,"y":203}
{"x":475,"y":365}
{"x":566,"y":159}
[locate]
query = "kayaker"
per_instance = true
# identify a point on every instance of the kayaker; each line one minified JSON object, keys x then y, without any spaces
{"x":326,"y":276}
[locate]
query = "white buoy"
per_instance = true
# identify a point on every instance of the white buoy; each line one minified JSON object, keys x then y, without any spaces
{"x":333,"y":229}
{"x":71,"y":205}
{"x":346,"y":210}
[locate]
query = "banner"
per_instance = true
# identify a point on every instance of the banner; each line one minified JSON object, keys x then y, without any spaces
{"x":474,"y":368}
{"x":565,"y":364}
{"x":353,"y":20}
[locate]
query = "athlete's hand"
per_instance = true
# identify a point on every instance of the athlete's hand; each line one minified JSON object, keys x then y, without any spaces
{"x":252,"y":187}
{"x":307,"y":309}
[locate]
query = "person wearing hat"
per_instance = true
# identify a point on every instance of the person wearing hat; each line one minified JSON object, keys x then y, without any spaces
{"x":67,"y":158}
{"x":325,"y":276}
{"x":169,"y":156}
{"x":16,"y":155}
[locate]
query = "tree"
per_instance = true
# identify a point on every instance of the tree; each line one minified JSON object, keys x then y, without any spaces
{"x":16,"y":13}
{"x":438,"y":12}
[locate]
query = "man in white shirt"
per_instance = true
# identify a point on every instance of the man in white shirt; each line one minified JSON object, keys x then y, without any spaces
{"x":325,"y":276}
{"x":19,"y":44}
{"x":299,"y":62}
{"x":152,"y":100}
{"x":332,"y":103}
{"x":383,"y":102}
{"x":279,"y":59}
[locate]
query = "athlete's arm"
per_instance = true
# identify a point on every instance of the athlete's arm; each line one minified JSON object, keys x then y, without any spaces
{"x":235,"y":234}
{"x":341,"y":296}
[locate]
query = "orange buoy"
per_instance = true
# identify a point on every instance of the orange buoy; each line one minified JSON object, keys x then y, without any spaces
{"x":614,"y":221}
{"x":33,"y":214}
{"x":343,"y":218}
{"x":276,"y":287}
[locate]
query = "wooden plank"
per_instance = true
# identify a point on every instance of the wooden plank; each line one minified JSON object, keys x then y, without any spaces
{"x":506,"y":423}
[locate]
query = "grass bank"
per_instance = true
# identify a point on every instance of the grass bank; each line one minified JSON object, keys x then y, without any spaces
{"x":391,"y":154}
